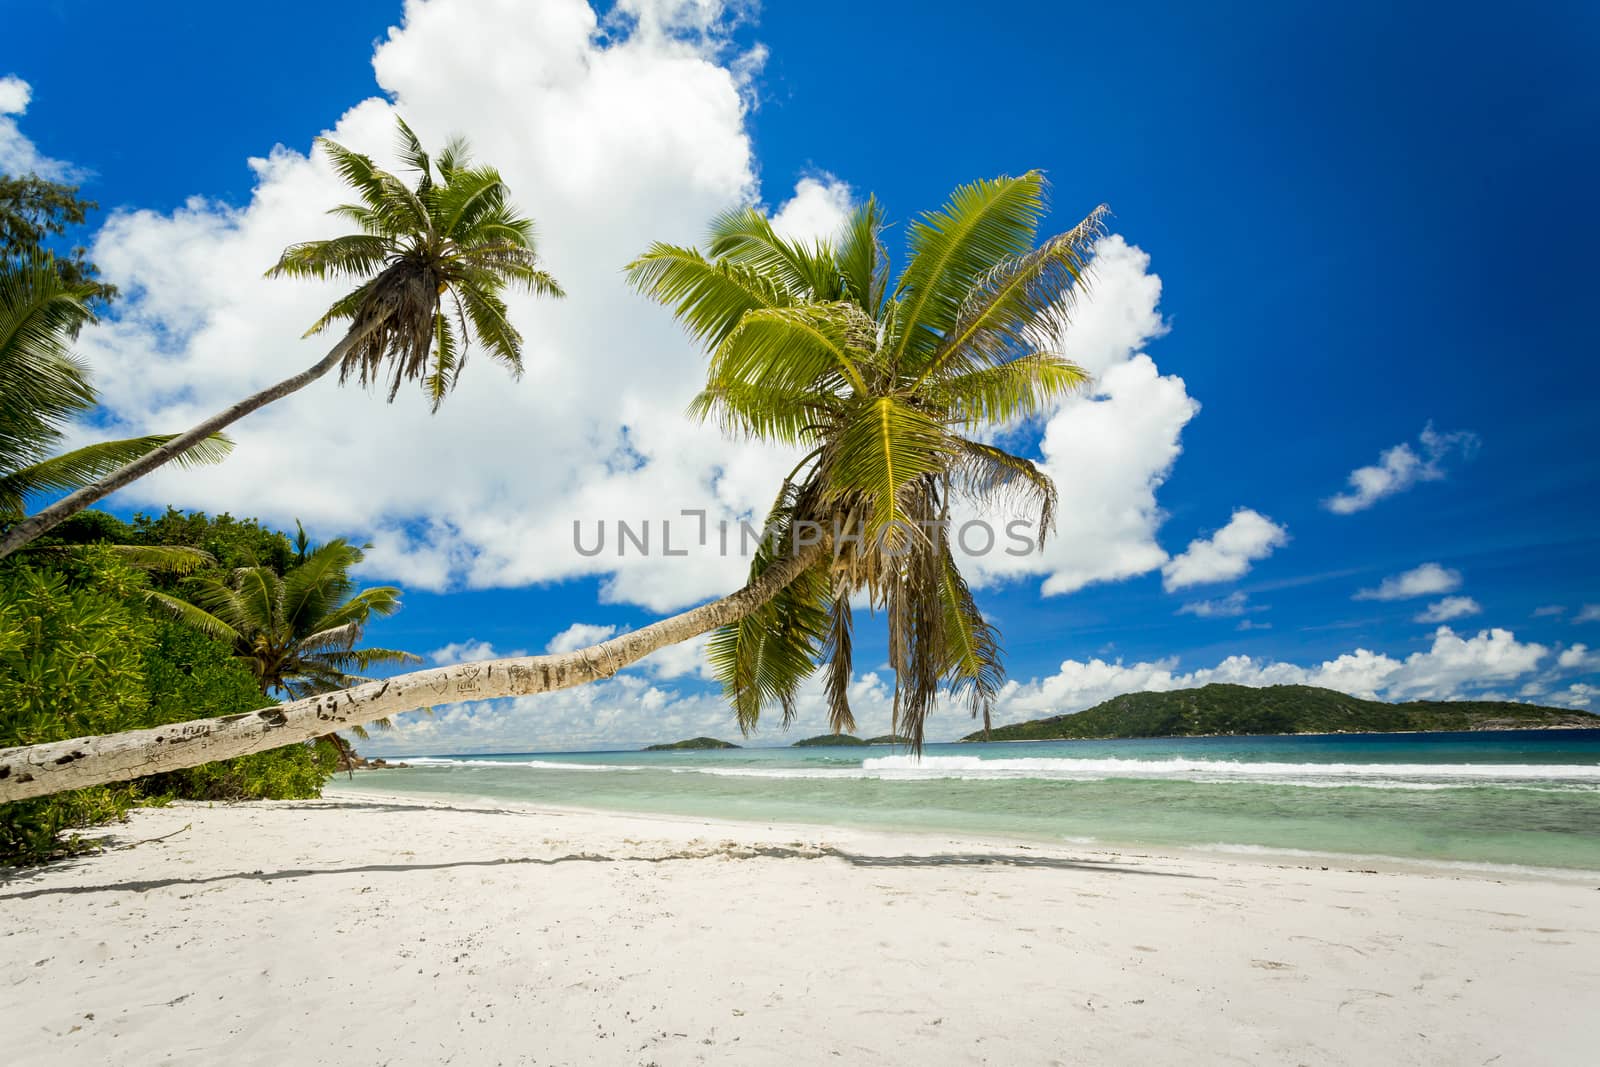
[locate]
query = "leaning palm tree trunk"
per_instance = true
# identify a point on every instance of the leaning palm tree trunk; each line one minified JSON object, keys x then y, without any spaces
{"x":39,"y":770}
{"x":68,"y":506}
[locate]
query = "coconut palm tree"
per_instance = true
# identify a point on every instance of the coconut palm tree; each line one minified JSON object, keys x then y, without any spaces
{"x":43,"y":386}
{"x":883,"y":387}
{"x":883,"y":390}
{"x":433,"y":261}
{"x":296,"y":632}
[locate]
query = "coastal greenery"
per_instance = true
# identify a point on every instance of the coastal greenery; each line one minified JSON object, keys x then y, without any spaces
{"x":1277,"y":709}
{"x":82,"y":652}
{"x":887,"y":388}
{"x":847,"y":740}
{"x":693,"y":743}
{"x":34,"y":211}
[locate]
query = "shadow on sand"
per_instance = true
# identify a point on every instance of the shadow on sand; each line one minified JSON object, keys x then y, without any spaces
{"x":730,"y":852}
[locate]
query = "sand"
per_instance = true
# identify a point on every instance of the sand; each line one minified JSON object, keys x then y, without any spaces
{"x":371,"y":930}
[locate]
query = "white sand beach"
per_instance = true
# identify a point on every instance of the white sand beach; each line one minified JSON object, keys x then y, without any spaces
{"x":369,"y":930}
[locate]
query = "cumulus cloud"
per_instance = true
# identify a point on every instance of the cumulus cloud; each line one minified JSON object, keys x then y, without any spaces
{"x":1579,"y":695}
{"x":817,"y":210}
{"x":1452,"y":666}
{"x":1109,"y":450}
{"x":1401,"y":467}
{"x":640,"y":705}
{"x":469,"y":651}
{"x":1427,"y":580}
{"x":18,"y":154}
{"x":1226,"y":554}
{"x":1578,"y":658}
{"x":578,"y":635}
{"x":619,"y":138}
{"x":1451,"y":607}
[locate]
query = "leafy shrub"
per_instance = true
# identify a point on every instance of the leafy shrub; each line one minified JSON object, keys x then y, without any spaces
{"x":80,"y":654}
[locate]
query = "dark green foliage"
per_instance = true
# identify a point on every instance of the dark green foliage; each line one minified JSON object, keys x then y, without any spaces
{"x":231,"y":542}
{"x":889,"y":739}
{"x":80,"y":653}
{"x":828,"y":741}
{"x":32,"y":211}
{"x":1278,"y":709}
{"x":691,"y":743}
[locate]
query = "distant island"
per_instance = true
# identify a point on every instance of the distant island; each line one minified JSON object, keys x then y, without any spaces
{"x":691,"y":743}
{"x":1280,"y":709}
{"x":835,"y":740}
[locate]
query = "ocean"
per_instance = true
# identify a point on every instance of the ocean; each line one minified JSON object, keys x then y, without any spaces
{"x":1526,"y":798}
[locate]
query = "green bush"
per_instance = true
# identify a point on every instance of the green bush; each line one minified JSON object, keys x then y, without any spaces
{"x":80,"y":654}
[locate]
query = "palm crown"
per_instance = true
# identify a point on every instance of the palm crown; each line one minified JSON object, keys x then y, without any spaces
{"x":297,"y":632}
{"x":884,"y":388}
{"x":43,"y":386}
{"x":434,"y":258}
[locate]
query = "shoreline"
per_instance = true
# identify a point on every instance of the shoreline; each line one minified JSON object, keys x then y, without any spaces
{"x":1218,"y":852}
{"x":423,"y":931}
{"x":406,"y":931}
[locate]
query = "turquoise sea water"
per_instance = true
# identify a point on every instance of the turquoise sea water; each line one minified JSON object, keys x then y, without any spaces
{"x":1514,"y":797}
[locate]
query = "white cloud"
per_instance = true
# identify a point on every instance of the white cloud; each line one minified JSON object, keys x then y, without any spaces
{"x":1401,"y":467}
{"x":1231,"y":606}
{"x":1226,"y":554}
{"x":617,"y":139}
{"x":1246,"y":625}
{"x":1427,"y":580}
{"x":470,"y":651}
{"x":1590,"y":613}
{"x":676,"y":661}
{"x":18,"y":154}
{"x":1578,"y":658}
{"x":635,"y":707}
{"x":1548,"y":611}
{"x":1452,"y":666}
{"x":1451,"y":607}
{"x":578,"y":635}
{"x":818,"y":210}
{"x":1579,"y":695}
{"x":1108,"y":451}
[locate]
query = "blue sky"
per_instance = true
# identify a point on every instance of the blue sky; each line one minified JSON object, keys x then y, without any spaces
{"x":1365,"y":222}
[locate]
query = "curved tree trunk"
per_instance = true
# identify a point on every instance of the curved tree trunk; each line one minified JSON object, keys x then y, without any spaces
{"x":70,"y":505}
{"x":39,"y":770}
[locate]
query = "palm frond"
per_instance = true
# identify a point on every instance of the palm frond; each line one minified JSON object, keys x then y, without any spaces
{"x":953,"y":249}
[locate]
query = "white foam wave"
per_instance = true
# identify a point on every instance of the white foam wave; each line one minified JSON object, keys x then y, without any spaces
{"x":548,"y":765}
{"x":972,"y":766}
{"x":1417,"y":776}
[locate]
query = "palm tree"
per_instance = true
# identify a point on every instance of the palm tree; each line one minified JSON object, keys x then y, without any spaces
{"x":43,"y":386}
{"x":296,"y":632}
{"x":884,"y":388}
{"x":433,"y":261}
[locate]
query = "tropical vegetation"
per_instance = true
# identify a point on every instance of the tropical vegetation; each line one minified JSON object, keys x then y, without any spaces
{"x":83,"y":652}
{"x":1278,"y":709}
{"x":886,"y":388}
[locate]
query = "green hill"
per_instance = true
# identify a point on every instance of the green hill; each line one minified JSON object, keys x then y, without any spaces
{"x":693,"y":742}
{"x":847,"y":740}
{"x":827,"y":740}
{"x":1280,"y":709}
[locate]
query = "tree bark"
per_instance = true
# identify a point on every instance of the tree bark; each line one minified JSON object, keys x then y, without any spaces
{"x":68,"y":506}
{"x":39,"y":770}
